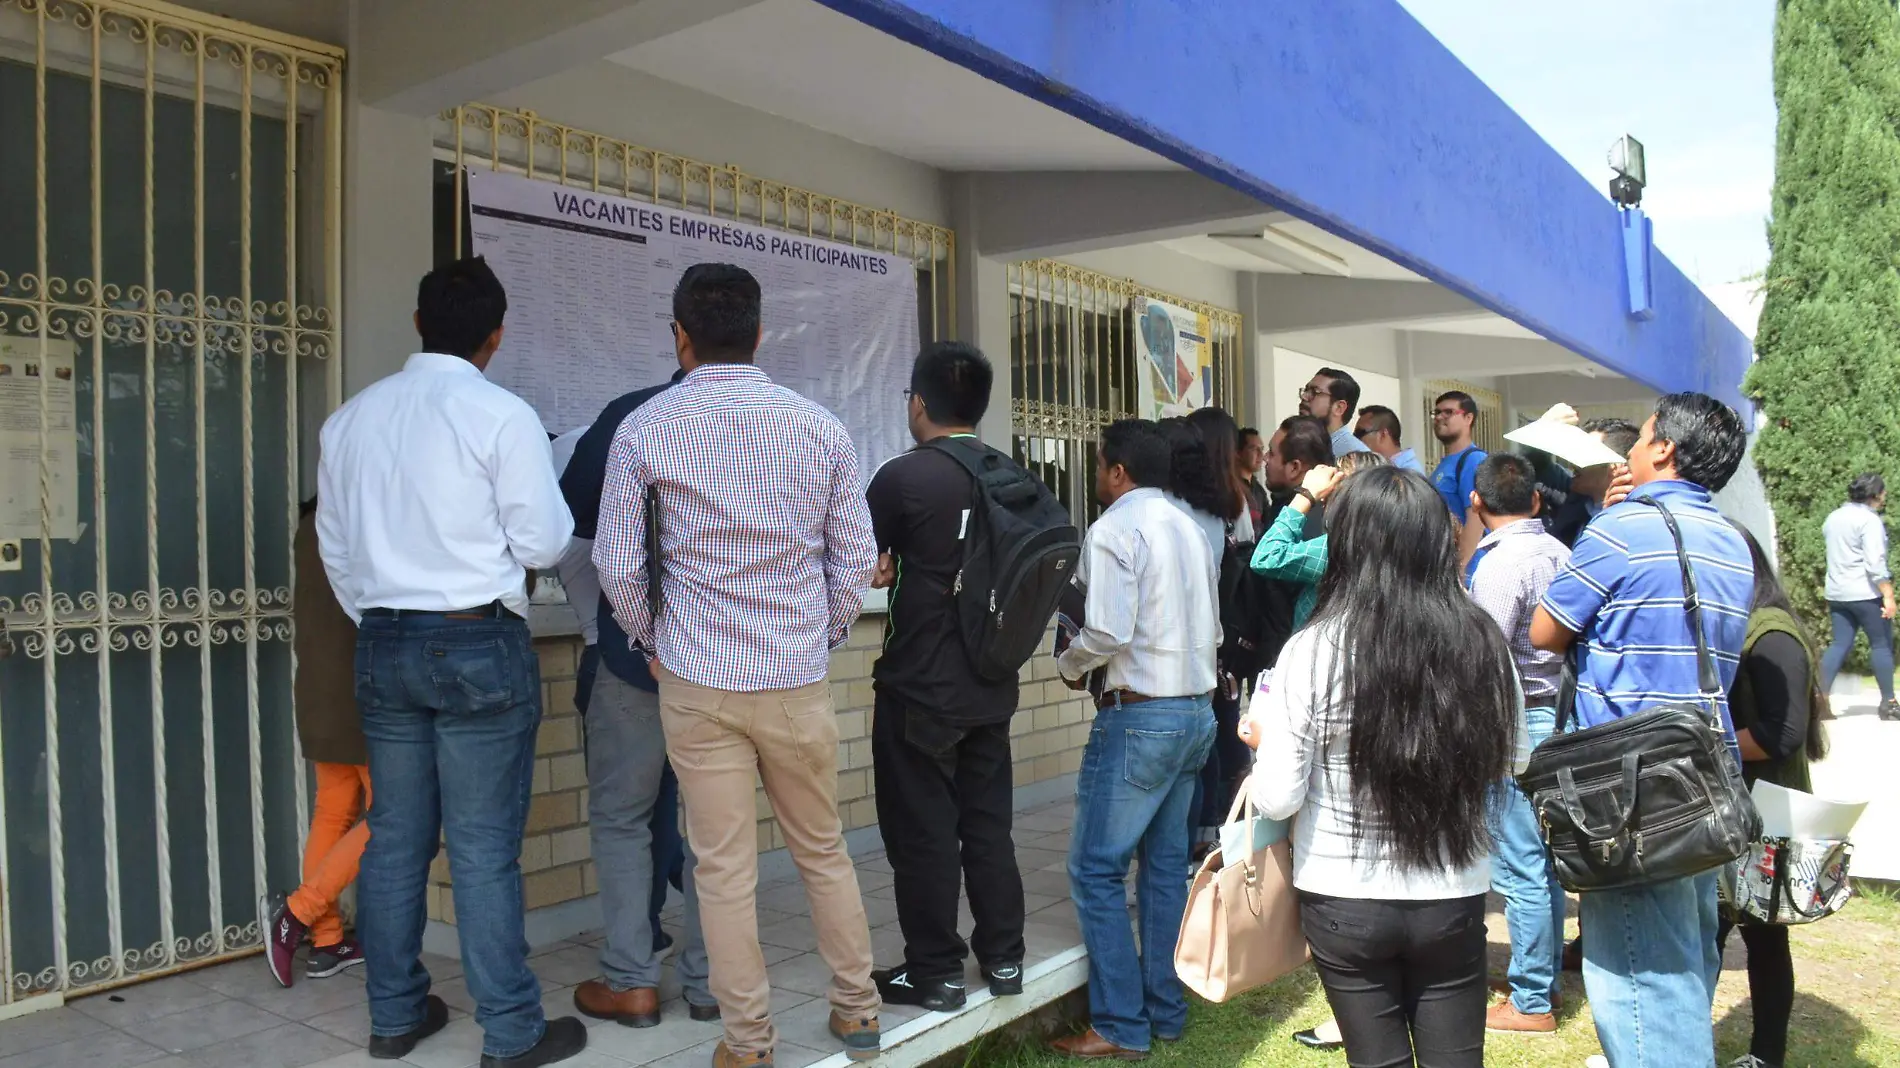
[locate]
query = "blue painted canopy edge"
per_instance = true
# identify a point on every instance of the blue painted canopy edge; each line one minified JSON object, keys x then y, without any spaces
{"x":1355,"y":118}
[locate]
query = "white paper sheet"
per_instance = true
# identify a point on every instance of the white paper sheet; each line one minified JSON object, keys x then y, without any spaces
{"x":1564,"y":441}
{"x":1789,"y":813}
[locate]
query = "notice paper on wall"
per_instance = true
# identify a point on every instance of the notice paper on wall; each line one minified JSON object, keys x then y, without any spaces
{"x":37,"y":383}
{"x":590,"y":305}
{"x":1174,"y":360}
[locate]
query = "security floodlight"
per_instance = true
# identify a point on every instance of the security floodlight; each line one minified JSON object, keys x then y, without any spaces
{"x":1626,"y":159}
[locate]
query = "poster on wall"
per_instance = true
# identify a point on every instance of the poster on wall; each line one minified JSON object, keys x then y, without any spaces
{"x":1174,"y":361}
{"x":590,"y":305}
{"x":34,"y":381}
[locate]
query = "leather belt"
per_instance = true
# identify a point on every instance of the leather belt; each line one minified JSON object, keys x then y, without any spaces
{"x":1118,"y":698}
{"x":491,"y":610}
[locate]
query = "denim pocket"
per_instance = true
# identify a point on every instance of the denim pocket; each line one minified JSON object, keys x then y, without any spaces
{"x":472,"y":678}
{"x":814,"y":729}
{"x":1152,"y":758}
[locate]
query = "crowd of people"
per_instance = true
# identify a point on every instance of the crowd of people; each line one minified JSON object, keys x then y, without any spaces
{"x":1403,"y":636}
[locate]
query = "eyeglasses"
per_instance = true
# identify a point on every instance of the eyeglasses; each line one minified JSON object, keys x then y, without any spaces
{"x":1309,"y":392}
{"x":1446,"y":413}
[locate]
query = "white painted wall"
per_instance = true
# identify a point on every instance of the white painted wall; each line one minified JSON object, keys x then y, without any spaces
{"x":622,"y":102}
{"x":1163,"y":269}
{"x":1292,"y":370}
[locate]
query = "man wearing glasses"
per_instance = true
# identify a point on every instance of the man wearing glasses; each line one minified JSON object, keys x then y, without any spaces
{"x":1454,"y":415}
{"x":1332,"y":397}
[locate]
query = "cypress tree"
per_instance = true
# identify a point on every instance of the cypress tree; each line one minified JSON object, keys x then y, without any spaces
{"x":1828,"y":377}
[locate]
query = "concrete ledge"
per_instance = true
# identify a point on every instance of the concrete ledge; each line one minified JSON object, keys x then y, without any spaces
{"x":934,"y":1034}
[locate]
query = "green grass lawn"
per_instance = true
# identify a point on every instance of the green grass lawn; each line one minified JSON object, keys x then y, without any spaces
{"x":1846,"y":971}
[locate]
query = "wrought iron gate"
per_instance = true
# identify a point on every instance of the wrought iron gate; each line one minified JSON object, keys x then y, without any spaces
{"x":168,"y":268}
{"x":1072,"y":368}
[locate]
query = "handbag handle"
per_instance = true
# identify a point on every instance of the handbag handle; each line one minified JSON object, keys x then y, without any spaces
{"x":1573,"y":801}
{"x":1707,"y":679}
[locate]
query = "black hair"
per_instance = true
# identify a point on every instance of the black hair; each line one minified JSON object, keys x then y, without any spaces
{"x":1245,"y":433}
{"x":1382,"y":418}
{"x":1866,"y":488}
{"x":1769,"y":593}
{"x":1191,"y":474}
{"x":1138,"y":446}
{"x":1305,"y":438}
{"x":1708,"y":436}
{"x":1507,"y":485}
{"x":1465,"y":403}
{"x":1217,"y":432}
{"x":1342,"y":387}
{"x":717,"y":306}
{"x":952,"y":380}
{"x":1618,"y":434}
{"x":1429,"y":696}
{"x":459,"y":306}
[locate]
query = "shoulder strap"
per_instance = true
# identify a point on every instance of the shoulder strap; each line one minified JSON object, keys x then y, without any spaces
{"x":1709,"y":681}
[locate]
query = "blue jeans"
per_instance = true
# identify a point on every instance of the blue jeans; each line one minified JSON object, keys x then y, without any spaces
{"x":1650,"y":961}
{"x":450,"y":707}
{"x":1533,"y":899}
{"x":669,"y":845}
{"x":1847,"y":617}
{"x":1131,"y":796}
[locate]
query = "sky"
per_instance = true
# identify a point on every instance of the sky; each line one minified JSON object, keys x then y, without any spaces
{"x":1691,"y":79}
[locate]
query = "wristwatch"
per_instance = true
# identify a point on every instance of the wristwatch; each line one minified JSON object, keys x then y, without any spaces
{"x":1308,"y":494}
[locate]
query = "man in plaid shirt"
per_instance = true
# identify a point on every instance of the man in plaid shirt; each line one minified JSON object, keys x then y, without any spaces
{"x":765,"y":545}
{"x":1507,"y":576}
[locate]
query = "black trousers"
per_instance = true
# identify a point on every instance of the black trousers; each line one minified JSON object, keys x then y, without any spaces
{"x":1405,"y":978}
{"x":944,"y":804}
{"x":1770,"y":987}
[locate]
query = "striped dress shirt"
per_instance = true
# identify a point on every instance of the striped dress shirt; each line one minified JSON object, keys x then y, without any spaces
{"x":765,"y":538}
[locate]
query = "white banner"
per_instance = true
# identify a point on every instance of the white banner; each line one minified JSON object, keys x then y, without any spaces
{"x":590,"y":295}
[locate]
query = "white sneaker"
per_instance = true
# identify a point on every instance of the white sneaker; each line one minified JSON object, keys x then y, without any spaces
{"x":1597,"y":1060}
{"x":1748,"y":1060}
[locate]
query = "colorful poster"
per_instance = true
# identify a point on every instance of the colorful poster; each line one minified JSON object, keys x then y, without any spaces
{"x":1174,"y":362}
{"x":590,"y":290}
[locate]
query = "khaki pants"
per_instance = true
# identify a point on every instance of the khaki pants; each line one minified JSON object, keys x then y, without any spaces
{"x":718,"y":741}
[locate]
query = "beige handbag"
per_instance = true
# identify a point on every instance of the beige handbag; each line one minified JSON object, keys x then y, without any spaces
{"x":1242,"y":925}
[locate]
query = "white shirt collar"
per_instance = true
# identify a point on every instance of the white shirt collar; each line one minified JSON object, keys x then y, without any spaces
{"x":439,"y":362}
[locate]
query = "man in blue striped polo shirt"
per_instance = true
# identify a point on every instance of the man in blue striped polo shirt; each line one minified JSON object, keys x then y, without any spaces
{"x":1650,"y":960}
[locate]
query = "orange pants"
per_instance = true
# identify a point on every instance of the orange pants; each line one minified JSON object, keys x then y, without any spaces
{"x":338,"y":833}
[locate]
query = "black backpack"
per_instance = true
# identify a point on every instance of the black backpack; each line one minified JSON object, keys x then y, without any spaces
{"x":1257,"y":615}
{"x":1020,"y":550}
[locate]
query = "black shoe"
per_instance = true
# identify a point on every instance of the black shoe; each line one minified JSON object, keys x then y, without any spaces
{"x":1006,"y":980}
{"x":564,"y":1038}
{"x":435,"y":1016}
{"x":1311,"y":1040}
{"x":703,"y":1013}
{"x":897,"y":987}
{"x":1890,"y":710}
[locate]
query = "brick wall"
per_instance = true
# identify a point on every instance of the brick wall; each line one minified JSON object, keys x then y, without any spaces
{"x":1048,"y":734}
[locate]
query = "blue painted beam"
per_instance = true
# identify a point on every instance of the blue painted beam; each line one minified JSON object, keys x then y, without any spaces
{"x":1351,"y":116}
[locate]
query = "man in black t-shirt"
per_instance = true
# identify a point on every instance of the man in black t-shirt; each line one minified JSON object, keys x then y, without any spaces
{"x":940,"y":736}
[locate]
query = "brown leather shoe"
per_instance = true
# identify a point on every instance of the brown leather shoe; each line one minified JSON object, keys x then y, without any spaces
{"x":1504,"y":1017}
{"x":638,"y":1007}
{"x":1089,"y":1046}
{"x":725,"y":1058}
{"x":861,"y":1038}
{"x":1503,"y":987}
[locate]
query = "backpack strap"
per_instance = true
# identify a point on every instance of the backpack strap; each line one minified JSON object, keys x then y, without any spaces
{"x":970,"y":453}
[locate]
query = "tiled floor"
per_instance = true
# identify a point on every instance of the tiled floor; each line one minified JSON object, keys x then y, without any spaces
{"x":235,"y":1016}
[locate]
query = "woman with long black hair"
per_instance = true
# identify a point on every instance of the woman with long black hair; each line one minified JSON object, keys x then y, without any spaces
{"x":1382,"y":728}
{"x":1777,"y":707}
{"x":1206,"y":483}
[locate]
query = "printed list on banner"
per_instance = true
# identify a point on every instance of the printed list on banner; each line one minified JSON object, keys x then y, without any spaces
{"x":36,"y":386}
{"x":590,"y":295}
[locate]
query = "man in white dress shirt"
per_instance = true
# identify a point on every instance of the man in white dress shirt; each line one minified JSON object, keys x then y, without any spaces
{"x":436,"y":495}
{"x":1151,"y":619}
